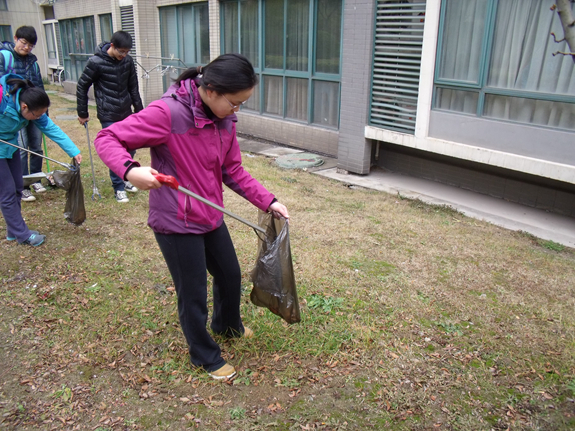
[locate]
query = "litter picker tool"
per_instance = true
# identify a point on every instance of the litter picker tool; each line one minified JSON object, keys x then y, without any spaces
{"x":173,"y":183}
{"x":66,"y":165}
{"x":272,"y":275}
{"x":95,"y":189}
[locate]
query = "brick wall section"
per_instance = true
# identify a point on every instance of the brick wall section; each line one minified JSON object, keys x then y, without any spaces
{"x":214,"y":13}
{"x":302,"y":136}
{"x":354,"y":151}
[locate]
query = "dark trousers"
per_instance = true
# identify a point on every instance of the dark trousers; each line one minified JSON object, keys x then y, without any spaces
{"x":11,"y":185}
{"x":188,"y":257}
{"x":117,"y":182}
{"x":30,"y":137}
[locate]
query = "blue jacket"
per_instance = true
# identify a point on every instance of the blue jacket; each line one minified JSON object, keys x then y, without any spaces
{"x":11,"y":121}
{"x":25,"y":66}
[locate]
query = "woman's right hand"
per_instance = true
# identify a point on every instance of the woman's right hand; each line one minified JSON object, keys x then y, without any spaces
{"x":142,"y":177}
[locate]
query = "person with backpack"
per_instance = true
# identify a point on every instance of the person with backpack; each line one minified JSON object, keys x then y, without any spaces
{"x":113,"y":73}
{"x":191,"y":133}
{"x":22,"y":104}
{"x":17,"y":58}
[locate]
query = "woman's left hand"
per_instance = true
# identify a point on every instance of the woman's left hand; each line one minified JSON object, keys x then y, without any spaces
{"x":78,"y":158}
{"x":279,"y":210}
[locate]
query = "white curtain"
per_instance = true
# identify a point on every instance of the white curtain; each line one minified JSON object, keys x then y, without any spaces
{"x":249,"y":31}
{"x":523,"y":59}
{"x":464,"y":26}
{"x":297,"y":100}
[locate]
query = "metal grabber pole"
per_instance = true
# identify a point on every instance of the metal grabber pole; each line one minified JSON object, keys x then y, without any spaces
{"x":66,"y":165}
{"x":95,"y":189}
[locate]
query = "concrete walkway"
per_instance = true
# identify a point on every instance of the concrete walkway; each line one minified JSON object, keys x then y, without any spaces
{"x":542,"y":224}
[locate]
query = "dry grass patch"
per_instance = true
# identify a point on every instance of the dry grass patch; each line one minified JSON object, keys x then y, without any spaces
{"x":413,"y":317}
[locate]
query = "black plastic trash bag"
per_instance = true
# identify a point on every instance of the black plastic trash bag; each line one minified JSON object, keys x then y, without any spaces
{"x":71,"y":181}
{"x":272,"y":276}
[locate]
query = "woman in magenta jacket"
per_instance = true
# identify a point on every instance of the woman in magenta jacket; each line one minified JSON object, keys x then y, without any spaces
{"x":191,"y":134}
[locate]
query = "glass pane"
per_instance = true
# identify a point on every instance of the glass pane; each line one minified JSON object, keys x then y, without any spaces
{"x":186,"y":29}
{"x":5,"y":32}
{"x":202,"y":33}
{"x":253,"y":103}
{"x":230,"y":27}
{"x":90,"y":36}
{"x":456,"y":100}
{"x":168,"y":40}
{"x":106,"y":27}
{"x":326,"y":103}
{"x":297,"y":100}
{"x":530,"y":111}
{"x":464,"y":27}
{"x":523,"y":49}
{"x":328,"y":38}
{"x":274,"y":41}
{"x":274,"y":95}
{"x":50,"y":43}
{"x":297,"y":34}
{"x":249,"y":31}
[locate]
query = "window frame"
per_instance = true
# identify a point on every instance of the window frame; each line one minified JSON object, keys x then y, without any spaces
{"x":482,"y":87}
{"x":311,"y":75}
{"x":75,"y":61}
{"x":102,"y":22}
{"x":177,"y":8}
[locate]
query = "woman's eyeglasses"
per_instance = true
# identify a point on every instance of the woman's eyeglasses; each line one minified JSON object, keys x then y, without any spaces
{"x":232,"y":105}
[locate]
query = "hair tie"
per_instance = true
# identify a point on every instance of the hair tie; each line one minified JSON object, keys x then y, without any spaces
{"x":199,"y":70}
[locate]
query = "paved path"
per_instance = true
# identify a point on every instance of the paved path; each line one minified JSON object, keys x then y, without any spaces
{"x":542,"y":224}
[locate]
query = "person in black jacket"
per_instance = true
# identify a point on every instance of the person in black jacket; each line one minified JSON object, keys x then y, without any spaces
{"x":113,"y":73}
{"x":16,"y":57}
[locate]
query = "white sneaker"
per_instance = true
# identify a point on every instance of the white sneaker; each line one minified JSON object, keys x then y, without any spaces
{"x":121,"y":196}
{"x":38,"y":188}
{"x":130,"y":187}
{"x":27,"y":196}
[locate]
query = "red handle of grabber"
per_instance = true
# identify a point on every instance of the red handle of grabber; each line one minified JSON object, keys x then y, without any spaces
{"x":167,"y":180}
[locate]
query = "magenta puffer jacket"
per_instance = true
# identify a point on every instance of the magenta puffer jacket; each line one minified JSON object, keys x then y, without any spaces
{"x":199,"y":152}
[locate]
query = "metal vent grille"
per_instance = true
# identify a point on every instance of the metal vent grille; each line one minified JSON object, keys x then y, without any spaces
{"x":397,"y":61}
{"x":127,"y":17}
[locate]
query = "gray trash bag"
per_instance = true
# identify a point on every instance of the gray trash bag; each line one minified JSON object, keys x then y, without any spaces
{"x":71,"y":181}
{"x":272,"y":275}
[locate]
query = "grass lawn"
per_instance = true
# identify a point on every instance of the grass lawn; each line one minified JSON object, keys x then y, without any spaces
{"x":414,"y":317}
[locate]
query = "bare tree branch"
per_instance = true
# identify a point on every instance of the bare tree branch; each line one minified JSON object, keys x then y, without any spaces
{"x":563,"y":8}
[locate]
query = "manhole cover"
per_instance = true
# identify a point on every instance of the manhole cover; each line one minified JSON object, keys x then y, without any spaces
{"x":299,"y":160}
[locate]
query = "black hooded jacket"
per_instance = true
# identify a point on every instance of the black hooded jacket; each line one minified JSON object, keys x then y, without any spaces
{"x":115,"y":86}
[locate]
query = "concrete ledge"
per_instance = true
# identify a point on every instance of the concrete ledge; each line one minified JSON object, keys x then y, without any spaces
{"x":542,"y":168}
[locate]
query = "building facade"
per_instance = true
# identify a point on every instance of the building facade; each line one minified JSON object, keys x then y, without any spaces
{"x":465,"y":93}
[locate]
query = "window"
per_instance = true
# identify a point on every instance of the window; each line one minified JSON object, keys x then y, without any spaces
{"x":78,"y":44}
{"x":495,"y":60}
{"x":51,"y":45}
{"x":106,"y":27}
{"x":3,"y":6}
{"x":295,"y":47}
{"x":6,"y":33}
{"x":184,"y":35}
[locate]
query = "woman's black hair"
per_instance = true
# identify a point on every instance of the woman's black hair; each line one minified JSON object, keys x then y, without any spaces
{"x":34,"y":97}
{"x":229,"y":73}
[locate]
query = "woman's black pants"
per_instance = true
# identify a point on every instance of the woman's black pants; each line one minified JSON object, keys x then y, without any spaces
{"x":188,"y":256}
